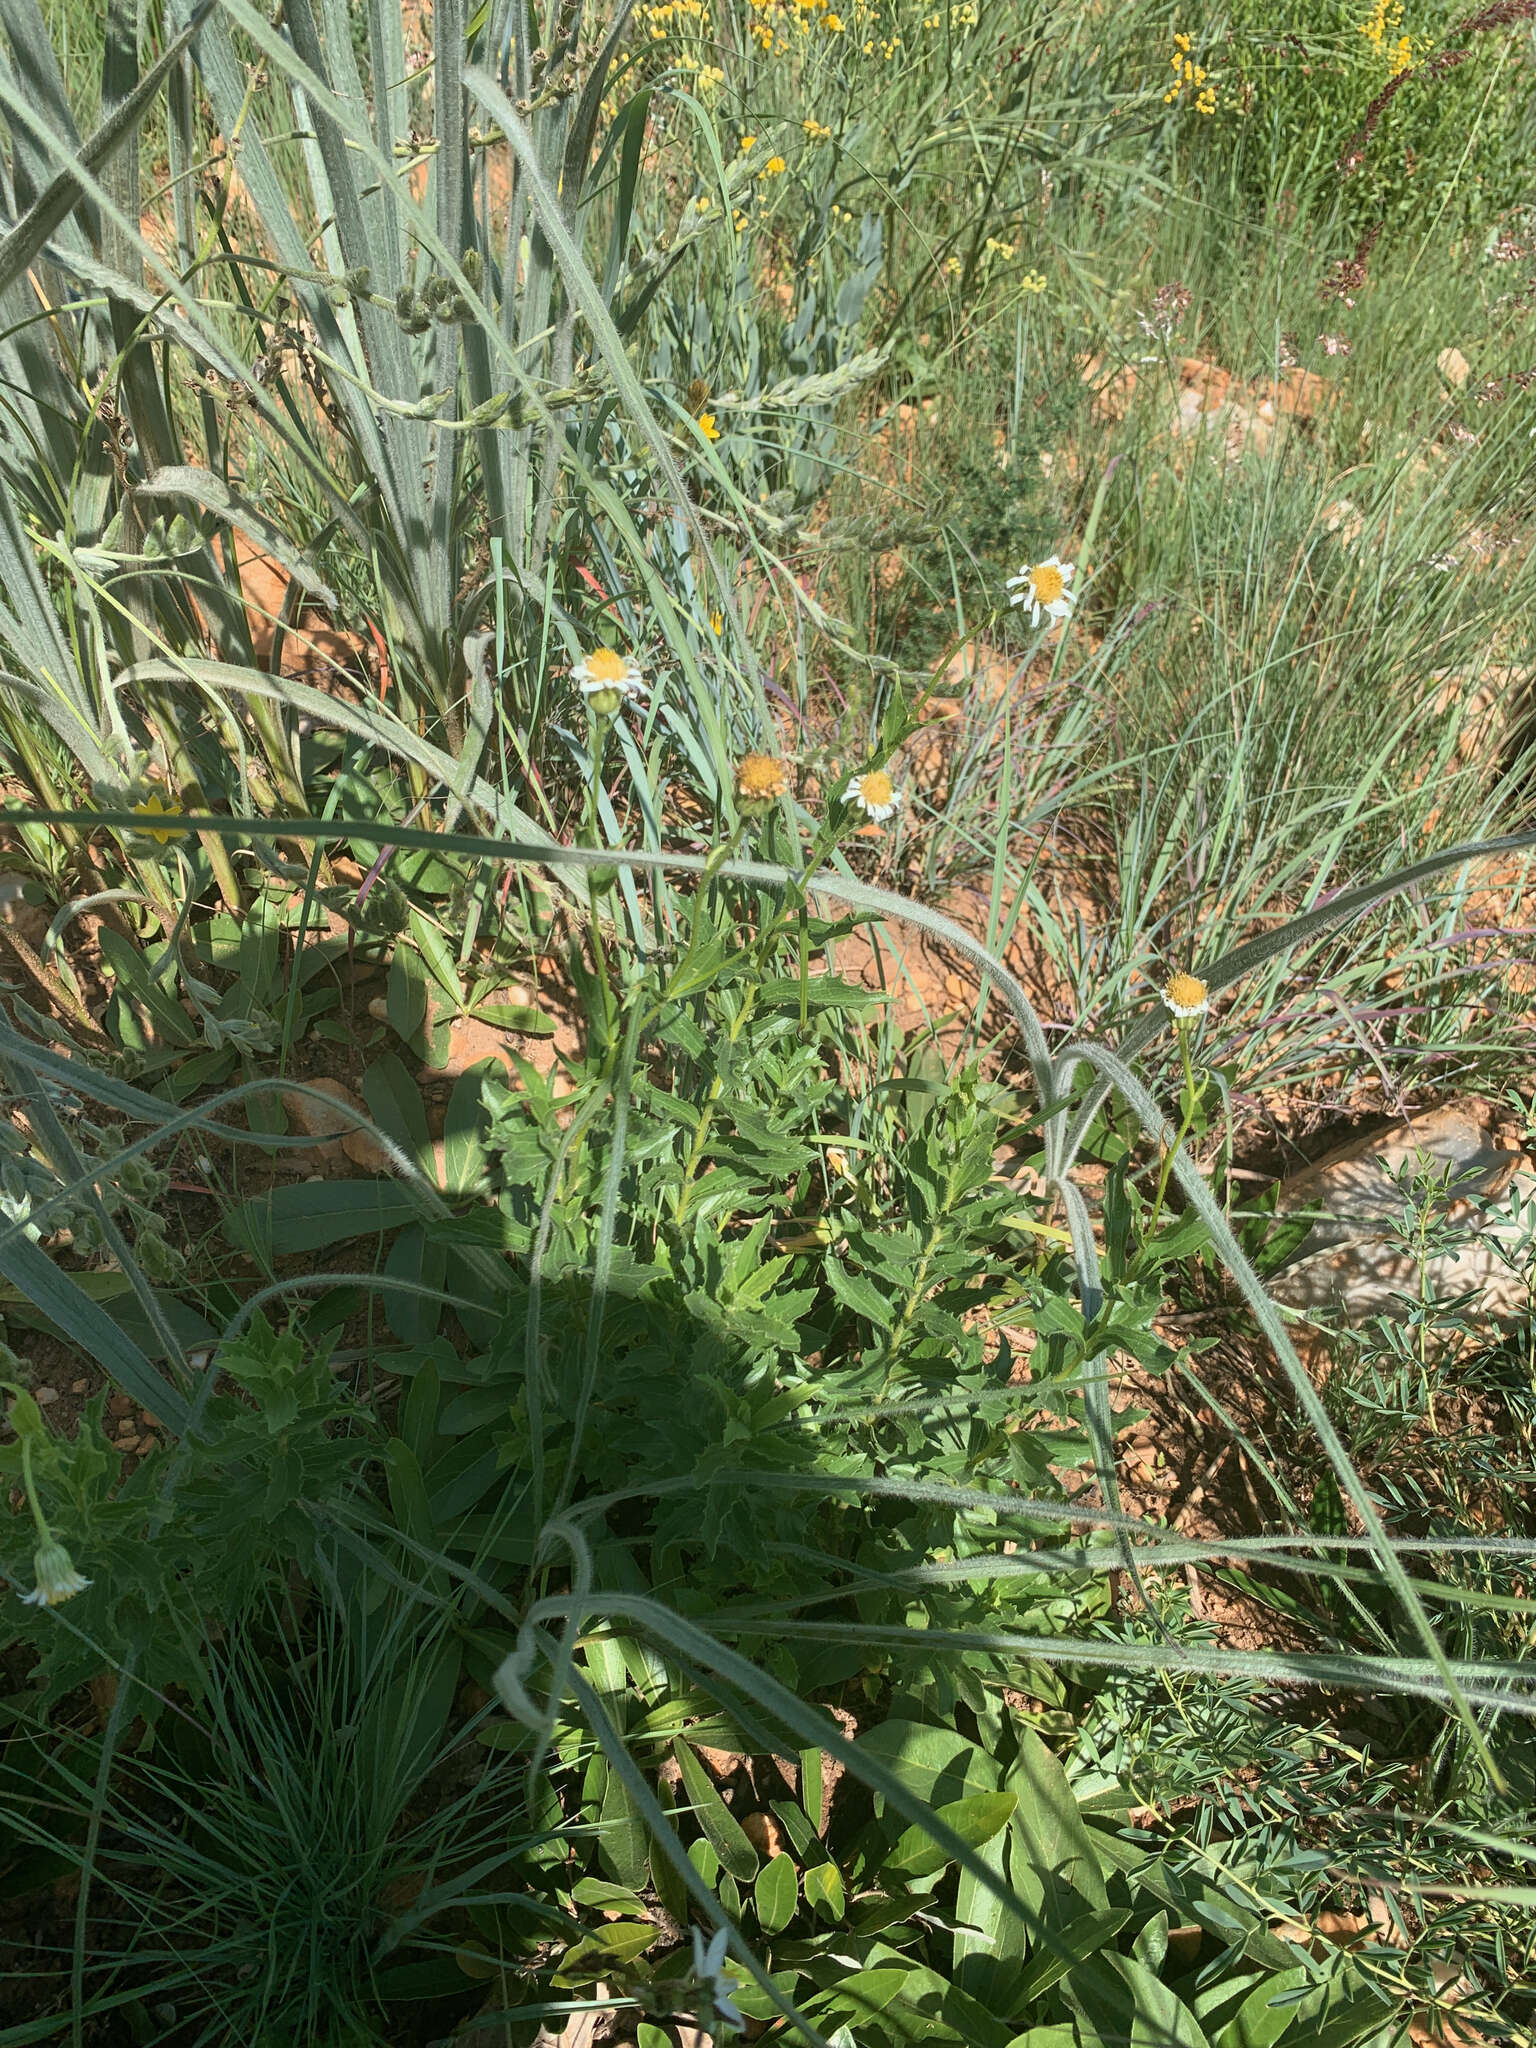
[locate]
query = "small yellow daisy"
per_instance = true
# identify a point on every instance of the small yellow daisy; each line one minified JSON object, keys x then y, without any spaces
{"x":1043,"y":586}
{"x":1186,"y":997}
{"x":761,"y":779}
{"x":605,"y":679}
{"x":875,"y":795}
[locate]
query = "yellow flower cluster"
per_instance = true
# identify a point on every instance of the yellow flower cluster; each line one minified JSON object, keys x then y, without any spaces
{"x":674,"y":17}
{"x":815,"y":132}
{"x":1381,"y":29}
{"x":779,"y":19}
{"x":1188,"y":74}
{"x":887,"y":47}
{"x":1385,"y":17}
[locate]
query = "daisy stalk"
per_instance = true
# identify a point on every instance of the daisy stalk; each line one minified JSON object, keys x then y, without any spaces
{"x":1186,"y":999}
{"x":53,"y":1569}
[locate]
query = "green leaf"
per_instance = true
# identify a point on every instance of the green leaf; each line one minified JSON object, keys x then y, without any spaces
{"x":1265,"y":2013}
{"x":519,"y":1017}
{"x":394,"y":1102}
{"x":70,"y":1309}
{"x":623,"y":1841}
{"x":607,"y":1898}
{"x":974,"y":1820}
{"x":1048,"y":1826}
{"x":406,"y":995}
{"x":824,"y":1892}
{"x":858,"y":1292}
{"x":776,"y":1894}
{"x":721,"y":1828}
{"x":317,"y":1213}
{"x":1109,"y":1989}
{"x":1079,"y":1939}
{"x":934,"y":1764}
{"x":438,"y":958}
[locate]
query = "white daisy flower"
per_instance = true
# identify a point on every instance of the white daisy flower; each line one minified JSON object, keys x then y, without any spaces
{"x":875,"y":794}
{"x":1186,"y":997}
{"x":57,"y":1579}
{"x":711,"y":1978}
{"x":1043,"y":587}
{"x":605,"y":679}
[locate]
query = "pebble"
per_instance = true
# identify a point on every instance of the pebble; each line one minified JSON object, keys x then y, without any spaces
{"x":320,"y":1119}
{"x":119,"y":1404}
{"x":46,"y":1396}
{"x":79,"y":1386}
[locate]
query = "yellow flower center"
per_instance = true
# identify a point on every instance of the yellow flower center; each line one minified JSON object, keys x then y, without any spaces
{"x":876,"y":787}
{"x":1186,"y":992}
{"x":760,"y":775}
{"x":604,"y":666}
{"x":1048,"y":582}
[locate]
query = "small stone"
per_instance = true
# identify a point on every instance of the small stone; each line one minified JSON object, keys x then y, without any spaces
{"x":320,"y":1119}
{"x":119,"y":1404}
{"x":151,"y":1421}
{"x":763,"y":1832}
{"x":79,"y":1386}
{"x":365,"y":1151}
{"x":46,"y":1396}
{"x":127,"y":1429}
{"x":1453,"y":366}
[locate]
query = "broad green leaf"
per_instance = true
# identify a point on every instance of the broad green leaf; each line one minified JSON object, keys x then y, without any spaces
{"x":1110,"y":1990}
{"x":623,"y":1841}
{"x":463,"y":1125}
{"x":1048,"y":1826}
{"x":974,"y":1820}
{"x":406,"y":994}
{"x":824,"y":1893}
{"x":611,"y":1898}
{"x":56,"y":1295}
{"x":1265,"y":2013}
{"x":1079,"y":1939}
{"x":934,"y":1764}
{"x":721,"y":1828}
{"x":776,"y":1894}
{"x":316,"y":1213}
{"x":394,"y":1102}
{"x":858,"y":1292}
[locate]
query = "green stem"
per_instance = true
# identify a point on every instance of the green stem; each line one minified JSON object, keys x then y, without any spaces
{"x":594,"y":894}
{"x":1186,"y":1125}
{"x":44,"y":1533}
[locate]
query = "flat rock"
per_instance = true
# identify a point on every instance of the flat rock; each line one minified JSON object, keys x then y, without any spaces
{"x":319,"y":1119}
{"x":1348,"y":1262}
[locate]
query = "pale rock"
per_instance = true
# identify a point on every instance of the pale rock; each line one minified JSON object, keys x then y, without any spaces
{"x":1453,"y":366}
{"x":365,"y":1151}
{"x":325,"y":1119}
{"x":1348,"y":1263}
